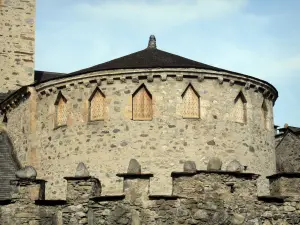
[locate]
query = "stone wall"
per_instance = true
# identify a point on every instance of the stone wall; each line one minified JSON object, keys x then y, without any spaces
{"x":18,"y":128}
{"x":214,"y":197}
{"x":17,"y":37}
{"x":161,"y":145}
{"x":288,"y":153}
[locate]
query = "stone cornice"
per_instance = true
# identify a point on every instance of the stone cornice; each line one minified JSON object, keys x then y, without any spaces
{"x":134,"y":75}
{"x":13,"y":100}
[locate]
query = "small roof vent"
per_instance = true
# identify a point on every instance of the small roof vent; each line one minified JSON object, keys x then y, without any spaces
{"x":152,"y":42}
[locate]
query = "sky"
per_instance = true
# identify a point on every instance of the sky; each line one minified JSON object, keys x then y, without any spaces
{"x":260,"y":38}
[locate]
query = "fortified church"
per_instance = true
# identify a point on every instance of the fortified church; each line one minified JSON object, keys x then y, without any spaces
{"x":159,"y":111}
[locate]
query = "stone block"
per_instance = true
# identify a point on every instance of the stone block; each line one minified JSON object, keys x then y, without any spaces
{"x":234,"y":166}
{"x":28,"y":190}
{"x":201,"y":78}
{"x":80,"y":189}
{"x":134,"y":167}
{"x":214,"y":163}
{"x":285,"y":184}
{"x":189,"y":166}
{"x":82,"y":171}
{"x":28,"y":172}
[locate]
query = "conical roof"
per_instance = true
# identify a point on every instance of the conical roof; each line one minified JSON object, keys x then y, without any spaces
{"x":151,"y":57}
{"x":148,"y":58}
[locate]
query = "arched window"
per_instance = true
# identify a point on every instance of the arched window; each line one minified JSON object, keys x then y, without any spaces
{"x":142,"y":104}
{"x":240,"y":108}
{"x":61,"y":110}
{"x":96,"y":105}
{"x":265,"y":115}
{"x":191,"y":103}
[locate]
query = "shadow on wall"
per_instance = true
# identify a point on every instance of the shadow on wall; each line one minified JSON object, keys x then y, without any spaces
{"x":9,"y":164}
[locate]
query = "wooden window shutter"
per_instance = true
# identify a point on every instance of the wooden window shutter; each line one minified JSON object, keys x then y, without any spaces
{"x":142,"y":104}
{"x":97,"y":105}
{"x":61,"y":110}
{"x":191,"y":103}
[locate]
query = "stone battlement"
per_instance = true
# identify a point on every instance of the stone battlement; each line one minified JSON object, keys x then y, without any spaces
{"x":198,"y":197}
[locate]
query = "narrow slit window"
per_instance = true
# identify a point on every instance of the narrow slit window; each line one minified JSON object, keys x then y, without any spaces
{"x":96,"y":105}
{"x":240,"y":109}
{"x":61,"y":110}
{"x":142,"y":104}
{"x":191,"y":103}
{"x":265,"y":115}
{"x":5,"y":120}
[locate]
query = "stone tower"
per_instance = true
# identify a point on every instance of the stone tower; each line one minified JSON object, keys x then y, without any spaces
{"x":17,"y":38}
{"x":151,"y":105}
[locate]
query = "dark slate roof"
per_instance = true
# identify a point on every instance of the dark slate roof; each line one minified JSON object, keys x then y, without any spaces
{"x":151,"y":57}
{"x":148,"y":58}
{"x":293,"y":129}
{"x":283,"y":131}
{"x":8,"y":166}
{"x":42,"y":76}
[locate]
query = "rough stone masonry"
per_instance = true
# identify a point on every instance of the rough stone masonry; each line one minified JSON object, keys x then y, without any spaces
{"x":206,"y":197}
{"x":17,"y":43}
{"x":161,"y":143}
{"x":230,"y":133}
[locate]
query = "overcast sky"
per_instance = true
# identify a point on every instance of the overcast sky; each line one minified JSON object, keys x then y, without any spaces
{"x":260,"y":38}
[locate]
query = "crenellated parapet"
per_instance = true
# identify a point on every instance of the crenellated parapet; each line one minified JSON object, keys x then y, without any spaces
{"x":198,"y":197}
{"x":79,"y":192}
{"x":285,"y":184}
{"x":204,"y":182}
{"x":27,"y":190}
